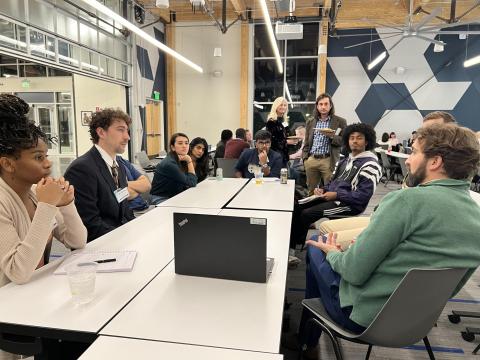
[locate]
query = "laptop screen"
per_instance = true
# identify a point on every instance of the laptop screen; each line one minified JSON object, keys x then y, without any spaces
{"x":224,"y":247}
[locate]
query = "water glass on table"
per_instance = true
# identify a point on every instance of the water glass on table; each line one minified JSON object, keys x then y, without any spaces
{"x":81,"y":277}
{"x":259,"y":177}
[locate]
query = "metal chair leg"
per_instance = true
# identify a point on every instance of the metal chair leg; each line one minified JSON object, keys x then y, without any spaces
{"x":429,"y":348}
{"x":368,"y":352}
{"x":474,"y":352}
{"x":333,"y":338}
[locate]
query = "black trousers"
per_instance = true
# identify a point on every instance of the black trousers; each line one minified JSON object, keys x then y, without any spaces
{"x":306,"y":214}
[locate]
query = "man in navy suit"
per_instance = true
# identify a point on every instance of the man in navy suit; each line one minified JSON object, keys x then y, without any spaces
{"x":101,"y":188}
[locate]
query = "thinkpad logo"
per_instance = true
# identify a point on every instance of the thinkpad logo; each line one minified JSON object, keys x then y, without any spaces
{"x":183,"y":222}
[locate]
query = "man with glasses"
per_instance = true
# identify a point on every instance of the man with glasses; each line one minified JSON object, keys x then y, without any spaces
{"x":261,"y":158}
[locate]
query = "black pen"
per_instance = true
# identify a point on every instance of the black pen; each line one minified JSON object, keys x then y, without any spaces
{"x":105,"y":261}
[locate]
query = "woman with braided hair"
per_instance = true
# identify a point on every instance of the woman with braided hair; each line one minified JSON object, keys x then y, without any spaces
{"x":30,"y":215}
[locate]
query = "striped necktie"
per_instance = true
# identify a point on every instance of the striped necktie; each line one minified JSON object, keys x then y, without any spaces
{"x":115,"y":173}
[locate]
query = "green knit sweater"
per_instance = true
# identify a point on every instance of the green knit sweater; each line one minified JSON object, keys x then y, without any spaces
{"x":434,"y":225}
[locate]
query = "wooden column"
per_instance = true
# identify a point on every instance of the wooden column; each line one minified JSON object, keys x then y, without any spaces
{"x":322,"y":58}
{"x":322,"y":46}
{"x":171,"y":82}
{"x":244,"y":46}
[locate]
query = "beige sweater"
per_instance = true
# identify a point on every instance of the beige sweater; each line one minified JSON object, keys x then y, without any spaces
{"x":23,"y":242}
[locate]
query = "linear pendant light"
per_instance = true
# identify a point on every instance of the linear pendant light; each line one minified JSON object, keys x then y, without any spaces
{"x":106,"y":11}
{"x":472,"y":61}
{"x":377,"y":60}
{"x":271,"y":36}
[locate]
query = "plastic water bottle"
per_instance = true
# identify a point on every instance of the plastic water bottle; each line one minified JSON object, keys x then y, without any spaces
{"x":219,"y":174}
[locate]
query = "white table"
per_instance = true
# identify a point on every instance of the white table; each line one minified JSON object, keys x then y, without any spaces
{"x":107,"y":347}
{"x":393,"y":153}
{"x":209,"y":194}
{"x":214,"y":312}
{"x":45,"y":302}
{"x":266,"y":196}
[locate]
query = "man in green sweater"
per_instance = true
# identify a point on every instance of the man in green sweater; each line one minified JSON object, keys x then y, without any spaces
{"x":410,"y":229}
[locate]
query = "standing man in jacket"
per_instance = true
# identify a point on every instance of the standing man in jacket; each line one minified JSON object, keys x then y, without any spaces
{"x":101,"y":188}
{"x":323,"y":140}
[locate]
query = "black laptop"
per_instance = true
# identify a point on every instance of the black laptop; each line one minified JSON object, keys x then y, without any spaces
{"x":224,"y":247}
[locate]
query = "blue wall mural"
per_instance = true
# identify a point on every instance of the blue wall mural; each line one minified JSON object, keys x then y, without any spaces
{"x":412,"y":81}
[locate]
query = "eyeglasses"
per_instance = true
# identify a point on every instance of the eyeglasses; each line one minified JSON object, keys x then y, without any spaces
{"x":260,"y":142}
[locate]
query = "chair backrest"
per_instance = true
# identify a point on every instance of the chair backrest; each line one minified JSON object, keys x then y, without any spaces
{"x":385,"y":159}
{"x":228,"y":166}
{"x":403,"y":166}
{"x":413,"y":308}
{"x":143,"y":159}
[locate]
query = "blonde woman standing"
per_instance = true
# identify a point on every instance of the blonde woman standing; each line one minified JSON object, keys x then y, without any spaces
{"x":278,"y":115}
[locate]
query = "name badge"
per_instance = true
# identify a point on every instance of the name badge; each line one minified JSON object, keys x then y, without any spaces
{"x":121,"y":194}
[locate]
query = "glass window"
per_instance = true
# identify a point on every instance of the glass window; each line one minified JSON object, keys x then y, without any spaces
{"x":110,"y":67}
{"x":9,"y":36}
{"x":89,"y":60}
{"x":58,"y":72}
{"x":14,"y":8}
{"x":50,"y":45}
{"x":88,"y":36}
{"x":105,"y":23}
{"x":308,"y":46}
{"x":120,"y":51}
{"x":32,"y":70}
{"x":8,"y":70}
{"x":65,"y":127}
{"x":63,"y":97}
{"x":37,"y":43}
{"x":5,"y":59}
{"x":262,"y":47}
{"x":301,"y":75}
{"x":41,"y":14}
{"x":268,"y":82}
{"x":103,"y":65}
{"x":68,"y":54}
{"x":36,"y":97}
{"x":121,"y":70}
{"x":105,"y":43}
{"x":67,"y":26}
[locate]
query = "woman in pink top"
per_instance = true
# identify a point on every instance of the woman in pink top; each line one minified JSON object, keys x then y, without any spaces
{"x":30,"y":216}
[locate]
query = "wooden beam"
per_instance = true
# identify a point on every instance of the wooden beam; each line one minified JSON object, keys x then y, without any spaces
{"x":244,"y":46}
{"x":239,"y":6}
{"x":322,"y":57}
{"x":171,"y":82}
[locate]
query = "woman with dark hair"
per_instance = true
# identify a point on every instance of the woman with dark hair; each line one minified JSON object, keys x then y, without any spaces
{"x":175,"y":173}
{"x":393,"y":143}
{"x":30,"y":216}
{"x":384,"y":139}
{"x":199,"y":155}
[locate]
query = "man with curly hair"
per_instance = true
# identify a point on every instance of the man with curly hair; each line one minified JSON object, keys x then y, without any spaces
{"x":353,"y":183}
{"x":101,"y":186}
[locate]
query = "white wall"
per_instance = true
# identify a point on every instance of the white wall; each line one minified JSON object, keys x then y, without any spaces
{"x":90,"y":94}
{"x":206,"y":104}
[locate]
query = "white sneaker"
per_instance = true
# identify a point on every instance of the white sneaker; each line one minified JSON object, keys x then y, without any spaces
{"x":293,"y":260}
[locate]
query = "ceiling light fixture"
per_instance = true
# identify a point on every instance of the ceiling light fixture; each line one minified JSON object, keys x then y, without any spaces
{"x":377,"y":60}
{"x":106,"y":11}
{"x":289,"y":96}
{"x":271,"y":36}
{"x":473,"y":61}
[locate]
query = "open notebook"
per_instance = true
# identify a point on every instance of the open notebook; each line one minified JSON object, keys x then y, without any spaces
{"x":124,"y":260}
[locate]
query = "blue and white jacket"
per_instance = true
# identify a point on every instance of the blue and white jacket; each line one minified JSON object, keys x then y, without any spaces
{"x":355,"y":179}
